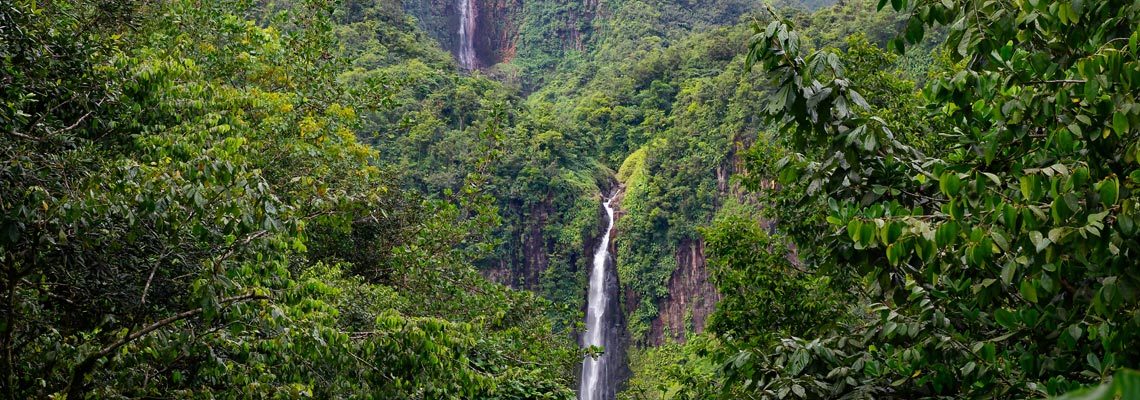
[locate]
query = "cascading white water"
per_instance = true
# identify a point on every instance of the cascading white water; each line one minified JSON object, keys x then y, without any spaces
{"x":592,"y":368}
{"x":467,"y":15}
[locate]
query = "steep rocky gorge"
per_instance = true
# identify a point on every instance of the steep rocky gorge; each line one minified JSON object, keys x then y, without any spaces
{"x":493,"y":29}
{"x":546,"y":241}
{"x":691,"y":297}
{"x":533,"y":253}
{"x":500,"y":27}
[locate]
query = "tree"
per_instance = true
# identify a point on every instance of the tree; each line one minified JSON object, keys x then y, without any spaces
{"x":997,"y":265}
{"x":179,"y":186}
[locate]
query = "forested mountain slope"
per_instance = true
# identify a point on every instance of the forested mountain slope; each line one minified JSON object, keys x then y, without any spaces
{"x":187,"y":211}
{"x":311,"y":198}
{"x":671,"y":115}
{"x":522,"y":40}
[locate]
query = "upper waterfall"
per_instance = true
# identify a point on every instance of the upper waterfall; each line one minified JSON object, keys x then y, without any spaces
{"x":467,"y":14}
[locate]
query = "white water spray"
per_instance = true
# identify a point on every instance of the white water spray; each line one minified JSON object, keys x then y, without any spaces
{"x":592,"y":368}
{"x":466,"y":54}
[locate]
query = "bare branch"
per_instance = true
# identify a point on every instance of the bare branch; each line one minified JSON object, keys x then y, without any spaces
{"x":1056,"y":81}
{"x":72,"y":126}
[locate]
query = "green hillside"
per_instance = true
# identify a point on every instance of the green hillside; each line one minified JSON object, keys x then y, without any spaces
{"x":814,"y":199}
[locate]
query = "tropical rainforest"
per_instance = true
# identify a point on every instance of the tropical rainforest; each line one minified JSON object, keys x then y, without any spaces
{"x":387,"y":199}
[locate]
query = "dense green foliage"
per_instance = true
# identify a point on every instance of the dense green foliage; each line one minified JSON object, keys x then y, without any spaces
{"x":750,"y":269}
{"x":983,"y":230}
{"x":656,"y":82}
{"x":999,"y":252}
{"x":187,"y":211}
{"x":304,"y":198}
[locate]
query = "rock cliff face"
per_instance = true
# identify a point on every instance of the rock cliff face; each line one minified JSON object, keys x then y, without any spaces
{"x":528,"y":253}
{"x":501,"y":27}
{"x":535,"y":249}
{"x":497,"y":28}
{"x":620,"y":371}
{"x":692,"y":297}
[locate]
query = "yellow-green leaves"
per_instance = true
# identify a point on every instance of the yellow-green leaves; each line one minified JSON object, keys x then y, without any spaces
{"x":956,"y":207}
{"x":1031,"y":188}
{"x":853,"y":229}
{"x":1028,"y":291}
{"x":950,"y":183}
{"x":980,"y":252}
{"x":896,"y":253}
{"x":946,"y":234}
{"x":890,"y":232}
{"x":1109,"y":190}
{"x":862,"y":233}
{"x":1120,"y":123}
{"x":1062,"y":138}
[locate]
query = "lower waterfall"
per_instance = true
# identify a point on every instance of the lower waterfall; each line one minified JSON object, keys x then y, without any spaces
{"x":594,"y":384}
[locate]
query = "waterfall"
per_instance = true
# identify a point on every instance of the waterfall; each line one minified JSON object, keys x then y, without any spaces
{"x":592,"y":369}
{"x":466,"y":54}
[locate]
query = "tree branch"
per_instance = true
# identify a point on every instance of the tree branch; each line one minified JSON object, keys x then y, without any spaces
{"x":1056,"y":81}
{"x":72,"y":126}
{"x":76,"y":385}
{"x":146,"y":288}
{"x":23,"y":136}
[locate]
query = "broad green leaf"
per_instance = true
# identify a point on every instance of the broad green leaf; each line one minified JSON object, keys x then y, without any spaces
{"x":895,"y":253}
{"x":989,"y":352}
{"x":950,"y":183}
{"x":890,"y":232}
{"x":1007,"y":273}
{"x":1039,"y":241}
{"x":946,"y":234}
{"x":799,"y":391}
{"x":1005,"y":318}
{"x":1009,"y":216}
{"x":1030,"y":187}
{"x":1108,"y":190}
{"x":1075,"y":331}
{"x":1029,"y":290}
{"x":853,"y":228}
{"x":867,"y":234}
{"x":1120,"y":123}
{"x":968,"y":368}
